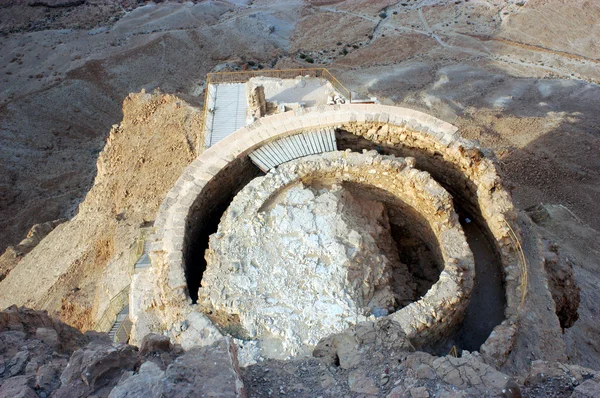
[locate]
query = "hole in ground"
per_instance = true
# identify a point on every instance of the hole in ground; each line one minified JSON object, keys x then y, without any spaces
{"x":488,"y":299}
{"x":417,"y":246}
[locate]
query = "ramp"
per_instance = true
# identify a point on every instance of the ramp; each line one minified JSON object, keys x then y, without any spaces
{"x":227,"y":109}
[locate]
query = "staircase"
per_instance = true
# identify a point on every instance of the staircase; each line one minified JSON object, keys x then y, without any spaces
{"x":144,"y":260}
{"x":115,"y":319}
{"x":119,"y":333}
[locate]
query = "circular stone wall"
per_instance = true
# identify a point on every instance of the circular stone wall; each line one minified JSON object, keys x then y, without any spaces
{"x":160,"y":300}
{"x":248,"y":280}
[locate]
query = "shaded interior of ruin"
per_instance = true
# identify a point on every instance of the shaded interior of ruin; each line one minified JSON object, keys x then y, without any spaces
{"x":416,"y":242}
{"x":205,"y":215}
{"x":488,"y":301}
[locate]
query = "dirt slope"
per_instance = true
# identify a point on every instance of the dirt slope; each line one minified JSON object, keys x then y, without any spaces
{"x":519,"y":76}
{"x":83,"y":263}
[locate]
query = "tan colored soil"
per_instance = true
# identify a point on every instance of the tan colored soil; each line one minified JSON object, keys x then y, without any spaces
{"x":83,"y":263}
{"x":521,"y":79}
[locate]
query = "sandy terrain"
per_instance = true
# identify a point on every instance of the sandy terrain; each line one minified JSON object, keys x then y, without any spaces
{"x":494,"y":68}
{"x":519,"y":76}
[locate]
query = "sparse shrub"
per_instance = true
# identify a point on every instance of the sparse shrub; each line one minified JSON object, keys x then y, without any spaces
{"x":383,"y":15}
{"x":309,"y":60}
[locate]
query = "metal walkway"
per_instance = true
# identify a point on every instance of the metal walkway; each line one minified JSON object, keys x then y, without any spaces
{"x":227,"y":111}
{"x":295,"y":146}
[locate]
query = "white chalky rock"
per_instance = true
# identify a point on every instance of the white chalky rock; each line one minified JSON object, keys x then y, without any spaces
{"x":309,"y":264}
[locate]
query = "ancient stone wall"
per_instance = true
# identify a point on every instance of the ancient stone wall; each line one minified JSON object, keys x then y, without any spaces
{"x":457,"y":162}
{"x":426,"y":320}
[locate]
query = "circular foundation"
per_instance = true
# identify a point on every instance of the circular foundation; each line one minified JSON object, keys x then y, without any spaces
{"x":249,"y":280}
{"x":163,"y":295}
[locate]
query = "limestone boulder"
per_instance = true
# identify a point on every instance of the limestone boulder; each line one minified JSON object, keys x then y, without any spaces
{"x":96,"y":369}
{"x":210,"y":371}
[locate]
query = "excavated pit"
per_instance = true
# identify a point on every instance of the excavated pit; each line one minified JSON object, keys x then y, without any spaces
{"x":273,"y":266}
{"x":163,"y":298}
{"x":411,"y":235}
{"x":487,"y":307}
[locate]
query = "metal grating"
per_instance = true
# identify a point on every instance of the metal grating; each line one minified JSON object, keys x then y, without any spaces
{"x":228,"y":111}
{"x":293,"y":147}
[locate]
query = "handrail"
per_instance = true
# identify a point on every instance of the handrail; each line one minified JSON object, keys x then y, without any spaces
{"x":123,"y":331}
{"x":523,"y":260}
{"x":244,"y":76}
{"x":116,"y":304}
{"x":121,"y":299}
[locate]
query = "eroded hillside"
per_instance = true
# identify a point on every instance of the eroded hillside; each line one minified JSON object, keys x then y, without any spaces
{"x":83,"y":263}
{"x":521,"y":77}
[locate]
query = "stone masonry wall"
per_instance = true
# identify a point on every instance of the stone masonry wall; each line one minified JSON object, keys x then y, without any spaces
{"x":165,"y":302}
{"x":426,"y":320}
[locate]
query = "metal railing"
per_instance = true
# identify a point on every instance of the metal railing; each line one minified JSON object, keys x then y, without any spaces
{"x":121,"y":299}
{"x":523,"y":264}
{"x":116,"y":305}
{"x":244,"y":76}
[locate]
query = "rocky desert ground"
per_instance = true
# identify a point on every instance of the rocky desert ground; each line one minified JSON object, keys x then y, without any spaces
{"x":101,"y":104}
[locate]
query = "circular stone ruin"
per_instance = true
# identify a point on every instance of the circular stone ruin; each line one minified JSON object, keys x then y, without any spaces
{"x":163,"y":297}
{"x":298,"y":257}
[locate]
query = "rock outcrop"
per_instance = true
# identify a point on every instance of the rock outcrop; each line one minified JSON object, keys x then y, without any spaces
{"x":562,"y":284}
{"x":42,"y":357}
{"x":258,"y":267}
{"x":210,"y":371}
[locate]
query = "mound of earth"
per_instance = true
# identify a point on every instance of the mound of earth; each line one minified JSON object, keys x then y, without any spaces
{"x":258,"y":268}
